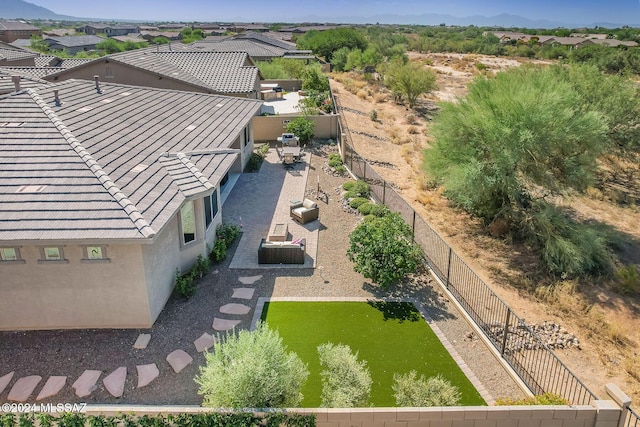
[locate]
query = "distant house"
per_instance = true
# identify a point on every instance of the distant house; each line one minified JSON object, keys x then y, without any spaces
{"x":92,"y":29}
{"x":169,"y":35}
{"x":573,"y":42}
{"x":13,"y":30}
{"x":259,"y":46}
{"x":105,"y":191}
{"x":614,"y":42}
{"x":590,"y":36}
{"x":14,"y":56}
{"x":177,"y":67}
{"x":73,"y":44}
{"x":120,"y":30}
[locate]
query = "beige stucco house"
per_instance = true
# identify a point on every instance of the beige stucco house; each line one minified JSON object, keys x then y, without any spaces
{"x":176,"y":66}
{"x":106,"y":190}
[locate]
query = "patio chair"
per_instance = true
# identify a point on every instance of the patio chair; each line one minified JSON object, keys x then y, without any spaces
{"x":288,"y":160}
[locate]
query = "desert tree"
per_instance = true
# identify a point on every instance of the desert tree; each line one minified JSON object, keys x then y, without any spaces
{"x":346,"y":381}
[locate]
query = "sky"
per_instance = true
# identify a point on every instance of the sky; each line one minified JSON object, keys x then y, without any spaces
{"x":624,"y":12}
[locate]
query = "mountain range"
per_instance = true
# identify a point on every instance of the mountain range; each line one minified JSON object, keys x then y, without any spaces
{"x":12,"y":9}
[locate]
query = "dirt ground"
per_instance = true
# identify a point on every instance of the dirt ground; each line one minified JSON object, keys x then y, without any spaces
{"x":606,"y":323}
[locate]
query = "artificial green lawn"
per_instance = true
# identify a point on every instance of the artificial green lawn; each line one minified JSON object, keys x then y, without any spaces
{"x":391,"y":337}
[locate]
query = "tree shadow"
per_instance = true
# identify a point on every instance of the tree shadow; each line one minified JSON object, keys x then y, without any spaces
{"x":402,"y":311}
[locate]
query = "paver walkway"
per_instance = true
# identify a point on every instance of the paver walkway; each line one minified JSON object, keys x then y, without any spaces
{"x":260,"y":200}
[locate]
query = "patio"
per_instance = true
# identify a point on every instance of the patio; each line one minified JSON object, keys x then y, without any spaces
{"x":261,"y":200}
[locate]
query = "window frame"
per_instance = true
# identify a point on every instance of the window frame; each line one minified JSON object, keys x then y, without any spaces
{"x":18,"y":257}
{"x":87,"y":259}
{"x":43,"y":255}
{"x":195,"y":225}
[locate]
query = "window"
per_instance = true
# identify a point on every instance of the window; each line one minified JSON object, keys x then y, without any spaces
{"x":9,"y":254}
{"x":52,"y":254}
{"x":188,"y":222}
{"x":94,"y":254}
{"x":210,"y":207}
{"x":208,"y":218}
{"x":246,"y":136}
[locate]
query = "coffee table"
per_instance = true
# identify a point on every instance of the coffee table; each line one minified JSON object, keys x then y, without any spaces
{"x":278,"y":233}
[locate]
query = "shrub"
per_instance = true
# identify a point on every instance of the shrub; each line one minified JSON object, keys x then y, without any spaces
{"x":302,"y":127}
{"x":541,"y":399}
{"x":251,"y":370}
{"x":416,"y":392}
{"x":366,"y":208}
{"x":359,"y":188}
{"x":254,"y":163}
{"x":349,"y":195}
{"x":335,"y":160}
{"x":219,"y":249}
{"x":480,"y":66}
{"x":185,"y":284}
{"x":628,"y":279}
{"x":383,"y":251}
{"x":346,"y":382}
{"x":263,"y":150}
{"x":373,"y":115}
{"x":201,"y":267}
{"x":378,"y":210}
{"x":358,"y":201}
{"x":229,"y":232}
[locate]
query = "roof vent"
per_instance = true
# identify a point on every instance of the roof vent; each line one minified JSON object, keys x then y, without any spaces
{"x":139,"y":168}
{"x":56,"y":98}
{"x":190,"y":128}
{"x":219,"y":105}
{"x":16,"y":82}
{"x":125,"y":94}
{"x":85,"y":109}
{"x":31,"y":188}
{"x":97,"y":80}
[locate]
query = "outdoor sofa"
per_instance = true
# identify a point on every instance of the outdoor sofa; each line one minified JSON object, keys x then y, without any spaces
{"x":289,"y":252}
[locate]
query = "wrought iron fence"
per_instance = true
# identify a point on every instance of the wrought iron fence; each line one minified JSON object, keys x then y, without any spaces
{"x":532,"y":360}
{"x":631,"y":418}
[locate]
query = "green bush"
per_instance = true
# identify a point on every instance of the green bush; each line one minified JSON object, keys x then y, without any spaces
{"x":359,"y":187}
{"x":254,"y":163}
{"x":185,"y":284}
{"x":365,"y":208}
{"x":251,"y":369}
{"x":263,"y":150}
{"x":382,"y":249}
{"x":374,"y":209}
{"x":335,"y":160}
{"x":541,"y":399}
{"x":417,"y":392}
{"x":219,"y":251}
{"x":229,"y":232}
{"x":346,"y":382}
{"x":355,"y":203}
{"x":303,"y":128}
{"x":349,"y":195}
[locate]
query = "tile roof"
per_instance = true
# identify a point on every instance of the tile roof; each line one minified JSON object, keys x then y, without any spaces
{"x":253,"y":48}
{"x":266,"y":39}
{"x":97,"y":166}
{"x":7,"y":85}
{"x":221,"y":72}
{"x":36,"y":72}
{"x":16,"y":26}
{"x":15,"y":54}
{"x":75,"y":41}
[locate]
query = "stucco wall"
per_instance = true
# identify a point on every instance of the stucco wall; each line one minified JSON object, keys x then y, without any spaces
{"x":288,"y":85}
{"x":599,"y":415}
{"x":73,"y":294}
{"x":269,"y":128}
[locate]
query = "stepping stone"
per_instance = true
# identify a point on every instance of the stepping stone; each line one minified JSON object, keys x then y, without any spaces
{"x":114,"y":382}
{"x":52,"y":387}
{"x":235,"y":309}
{"x":23,"y":388}
{"x":178,"y":360}
{"x":86,"y":383}
{"x":204,"y":342}
{"x":142,"y":342}
{"x":5,"y":380}
{"x":243,"y":293}
{"x":147,"y":373}
{"x":224,"y":324}
{"x":249,"y":280}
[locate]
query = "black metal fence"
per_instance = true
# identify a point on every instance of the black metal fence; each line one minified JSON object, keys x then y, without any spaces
{"x":631,"y":418}
{"x":531,"y":359}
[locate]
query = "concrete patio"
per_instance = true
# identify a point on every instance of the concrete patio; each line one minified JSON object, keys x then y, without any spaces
{"x":260,"y":200}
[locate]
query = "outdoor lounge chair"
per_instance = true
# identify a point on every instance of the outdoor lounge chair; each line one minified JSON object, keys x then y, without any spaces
{"x":288,"y":160}
{"x":305,"y":211}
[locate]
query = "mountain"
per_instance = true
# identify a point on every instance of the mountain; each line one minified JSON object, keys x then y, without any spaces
{"x":12,"y":9}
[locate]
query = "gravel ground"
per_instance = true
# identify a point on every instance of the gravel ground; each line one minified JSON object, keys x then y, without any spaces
{"x":182,"y":321}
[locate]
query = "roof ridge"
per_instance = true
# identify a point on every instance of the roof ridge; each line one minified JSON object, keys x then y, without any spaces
{"x":194,"y":170}
{"x":130,"y":209}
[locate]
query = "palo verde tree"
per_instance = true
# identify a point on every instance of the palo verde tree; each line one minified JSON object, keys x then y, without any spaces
{"x":515,"y":144}
{"x":382,"y":249}
{"x":411,"y":80}
{"x":251,"y":370}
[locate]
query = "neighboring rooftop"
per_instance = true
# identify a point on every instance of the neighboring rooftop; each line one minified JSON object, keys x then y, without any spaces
{"x":94,"y":168}
{"x":75,"y":41}
{"x":26,"y":81}
{"x":16,"y":26}
{"x":8,"y":55}
{"x":257,"y":45}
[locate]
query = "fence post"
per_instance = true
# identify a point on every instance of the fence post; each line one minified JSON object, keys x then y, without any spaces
{"x":364,"y":170}
{"x":449,"y":265}
{"x":384,"y":192}
{"x":506,"y":332}
{"x":413,"y":228}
